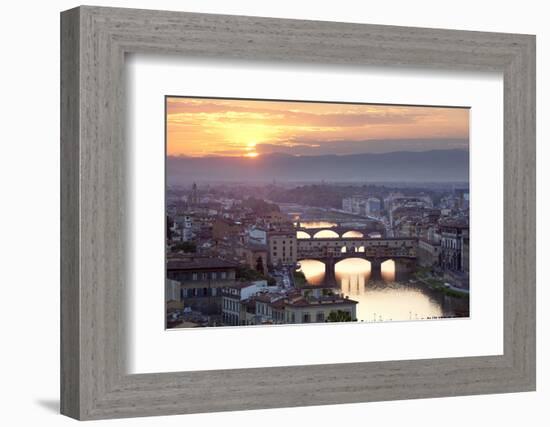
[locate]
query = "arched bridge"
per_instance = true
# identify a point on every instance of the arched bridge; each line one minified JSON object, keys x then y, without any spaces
{"x":343,"y":230}
{"x":330,"y":251}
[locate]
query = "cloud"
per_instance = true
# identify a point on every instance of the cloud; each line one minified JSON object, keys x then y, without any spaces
{"x":280,"y":114}
{"x":202,"y":127}
{"x":317,"y":148}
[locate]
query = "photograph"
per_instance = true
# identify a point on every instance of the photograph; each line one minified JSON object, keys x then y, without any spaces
{"x":295,"y":212}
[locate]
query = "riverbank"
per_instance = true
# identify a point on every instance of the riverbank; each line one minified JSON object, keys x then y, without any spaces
{"x":438,"y":284}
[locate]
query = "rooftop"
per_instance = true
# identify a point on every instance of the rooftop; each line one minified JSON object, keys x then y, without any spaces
{"x":454,"y":223}
{"x":194,"y":263}
{"x":312,"y":302}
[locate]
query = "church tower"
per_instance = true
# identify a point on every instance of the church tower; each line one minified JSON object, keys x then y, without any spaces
{"x":194,"y":199}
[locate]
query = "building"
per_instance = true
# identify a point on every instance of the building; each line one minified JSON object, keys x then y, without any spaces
{"x":172,"y":294}
{"x":282,"y":247}
{"x":235,"y":301}
{"x":253,"y":255}
{"x":223,"y":228}
{"x":184,"y":225}
{"x":466,"y":253}
{"x":428,"y":252}
{"x":201,"y":280}
{"x":194,"y":196}
{"x":454,"y":232}
{"x":256,"y":236}
{"x":373,"y":206}
{"x":355,"y":204}
{"x":297,"y":308}
{"x":315,"y":310}
{"x":276,"y":220}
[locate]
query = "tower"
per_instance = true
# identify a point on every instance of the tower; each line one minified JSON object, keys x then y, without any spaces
{"x":194,"y":199}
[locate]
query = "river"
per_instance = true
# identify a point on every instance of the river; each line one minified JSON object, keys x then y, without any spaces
{"x":390,"y":297}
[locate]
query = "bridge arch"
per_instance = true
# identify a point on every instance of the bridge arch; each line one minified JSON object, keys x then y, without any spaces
{"x":355,"y":263}
{"x":313,"y":269}
{"x":326,"y":234}
{"x":353,"y":233}
{"x":388,"y":269}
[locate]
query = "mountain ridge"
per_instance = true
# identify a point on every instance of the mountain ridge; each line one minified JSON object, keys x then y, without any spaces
{"x":432,"y":165}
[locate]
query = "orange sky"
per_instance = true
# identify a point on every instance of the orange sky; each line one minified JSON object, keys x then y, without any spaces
{"x":214,"y":127}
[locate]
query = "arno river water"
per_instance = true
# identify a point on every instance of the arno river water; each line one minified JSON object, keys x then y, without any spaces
{"x":389,"y":297}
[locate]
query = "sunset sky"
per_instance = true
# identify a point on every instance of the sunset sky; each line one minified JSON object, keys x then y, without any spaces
{"x":213,"y":127}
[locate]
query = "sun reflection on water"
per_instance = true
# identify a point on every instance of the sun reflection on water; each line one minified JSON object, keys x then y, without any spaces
{"x":381,"y":298}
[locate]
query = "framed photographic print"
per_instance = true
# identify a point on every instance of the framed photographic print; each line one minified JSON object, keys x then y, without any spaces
{"x":296,"y":212}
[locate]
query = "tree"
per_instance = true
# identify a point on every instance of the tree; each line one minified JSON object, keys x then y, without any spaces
{"x":300,"y":278}
{"x":327,"y":292}
{"x":169,"y":224}
{"x":187,"y":247}
{"x":339,"y":316}
{"x":260,"y":264}
{"x":247,"y":274}
{"x":260,"y":206}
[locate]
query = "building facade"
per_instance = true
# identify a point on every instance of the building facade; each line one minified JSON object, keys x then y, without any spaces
{"x":282,"y":248}
{"x":453,"y":236}
{"x":201,"y":280}
{"x":428,"y":252}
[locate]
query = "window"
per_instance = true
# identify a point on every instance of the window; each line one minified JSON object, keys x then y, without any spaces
{"x":320,"y":317}
{"x":223,"y":274}
{"x":306,"y":318}
{"x":194,"y":277}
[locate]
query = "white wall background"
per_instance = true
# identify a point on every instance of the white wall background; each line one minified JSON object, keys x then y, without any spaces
{"x":29,"y":224}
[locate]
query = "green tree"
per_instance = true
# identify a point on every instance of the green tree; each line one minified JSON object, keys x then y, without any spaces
{"x":299,"y":278}
{"x":247,"y":274}
{"x":339,"y":316}
{"x":327,"y":292}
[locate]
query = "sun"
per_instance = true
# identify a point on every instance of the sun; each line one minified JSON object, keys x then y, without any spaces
{"x":251,"y":149}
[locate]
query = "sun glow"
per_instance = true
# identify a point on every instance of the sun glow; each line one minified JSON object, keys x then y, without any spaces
{"x":233,"y":127}
{"x":253,"y":154}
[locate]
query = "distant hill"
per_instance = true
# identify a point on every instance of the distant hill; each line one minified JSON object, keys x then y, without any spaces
{"x":422,"y":166}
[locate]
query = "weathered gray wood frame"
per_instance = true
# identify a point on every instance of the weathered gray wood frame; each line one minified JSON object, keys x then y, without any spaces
{"x":94,"y":41}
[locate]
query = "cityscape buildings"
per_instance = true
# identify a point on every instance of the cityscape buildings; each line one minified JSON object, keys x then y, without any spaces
{"x":236,"y":260}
